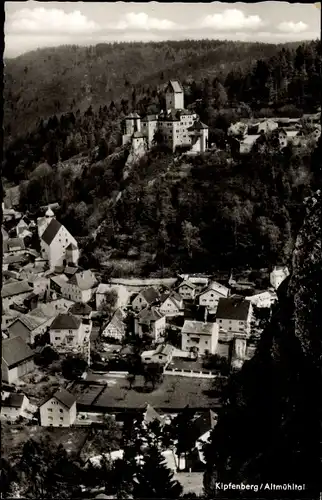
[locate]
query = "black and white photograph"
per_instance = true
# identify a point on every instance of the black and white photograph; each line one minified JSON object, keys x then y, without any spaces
{"x":161,"y":251}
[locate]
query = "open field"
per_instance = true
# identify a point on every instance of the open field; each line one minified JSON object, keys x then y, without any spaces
{"x":174,"y":393}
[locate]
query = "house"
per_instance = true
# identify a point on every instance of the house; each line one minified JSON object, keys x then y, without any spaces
{"x":56,"y":284}
{"x":234,"y":315}
{"x":79,"y":287}
{"x":199,"y":281}
{"x":263,"y":299}
{"x":145,"y":298}
{"x":15,"y":293}
{"x":172,"y":305}
{"x":36,"y":322}
{"x":267,"y":126}
{"x":210,"y":297}
{"x":13,"y":406}
{"x":187,"y":290}
{"x":150,"y":321}
{"x":278,"y":275}
{"x":84,"y":311}
{"x":203,"y":425}
{"x":14,"y":245}
{"x":150,"y":415}
{"x":115,"y":327}
{"x":17,"y":359}
{"x":59,"y":410}
{"x":103,"y":289}
{"x":55,"y":240}
{"x":247,"y":143}
{"x":68,"y":334}
{"x":162,"y":355}
{"x":199,"y":336}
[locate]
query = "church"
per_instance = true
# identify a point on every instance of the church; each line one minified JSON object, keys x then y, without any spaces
{"x":177,"y":126}
{"x":58,"y":246}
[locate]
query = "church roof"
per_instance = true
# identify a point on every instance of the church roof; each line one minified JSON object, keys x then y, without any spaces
{"x":175,"y":86}
{"x":51,"y":231}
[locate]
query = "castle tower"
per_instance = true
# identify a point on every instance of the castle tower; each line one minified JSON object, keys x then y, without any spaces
{"x":174,"y":95}
{"x":72,"y":254}
{"x":43,"y":222}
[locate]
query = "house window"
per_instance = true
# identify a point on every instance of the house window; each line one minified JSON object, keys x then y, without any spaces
{"x":50,"y":409}
{"x":229,"y":328}
{"x":61,"y":411}
{"x":206,"y":342}
{"x":220,"y":321}
{"x":50,"y":418}
{"x":230,"y":322}
{"x":61,"y":418}
{"x":57,"y":338}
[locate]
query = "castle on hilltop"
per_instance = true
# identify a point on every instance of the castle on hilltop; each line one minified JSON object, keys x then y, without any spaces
{"x":178,"y":126}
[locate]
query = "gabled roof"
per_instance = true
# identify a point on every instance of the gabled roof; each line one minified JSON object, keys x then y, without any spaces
{"x":175,"y":298}
{"x":164,"y":349}
{"x":216,"y":287}
{"x":116,"y":321}
{"x":15,"y":351}
{"x":151,"y":415}
{"x":14,"y":400}
{"x":15,"y":289}
{"x":70,"y":270}
{"x":174,"y":86}
{"x":59,"y":280}
{"x":198,"y":125}
{"x":85,"y":280}
{"x":149,"y":314}
{"x":51,"y":231}
{"x":197,"y":328}
{"x":205,"y":423}
{"x":150,"y":294}
{"x":65,"y":322}
{"x":187,"y":283}
{"x":64,"y":397}
{"x":233,"y":308}
{"x":30,"y":322}
{"x":80,"y":309}
{"x":14,"y":259}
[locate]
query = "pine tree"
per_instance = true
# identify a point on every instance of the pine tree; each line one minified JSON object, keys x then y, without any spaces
{"x":153,"y":479}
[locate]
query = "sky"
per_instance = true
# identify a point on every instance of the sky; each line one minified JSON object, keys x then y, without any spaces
{"x":30,"y":25}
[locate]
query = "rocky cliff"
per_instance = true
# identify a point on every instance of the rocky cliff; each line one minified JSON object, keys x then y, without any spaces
{"x":270,"y":430}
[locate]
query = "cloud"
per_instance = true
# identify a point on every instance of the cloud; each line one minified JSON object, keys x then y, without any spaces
{"x":41,"y":20}
{"x":231,"y":19}
{"x":141,"y":21}
{"x":291,"y":27}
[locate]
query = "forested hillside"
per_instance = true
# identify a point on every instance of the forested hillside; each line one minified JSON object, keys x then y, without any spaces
{"x":171,"y":213}
{"x":57,"y":80}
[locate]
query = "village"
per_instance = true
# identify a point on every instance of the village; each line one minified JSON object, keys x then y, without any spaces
{"x":76,"y":349}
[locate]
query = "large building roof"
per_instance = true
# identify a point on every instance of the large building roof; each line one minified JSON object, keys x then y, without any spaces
{"x":65,"y":397}
{"x":197,"y":328}
{"x":51,"y":231}
{"x":15,"y":351}
{"x":233,"y":308}
{"x":147,"y":315}
{"x":17,"y":288}
{"x":150,"y":294}
{"x":65,"y":322}
{"x":85,"y":280}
